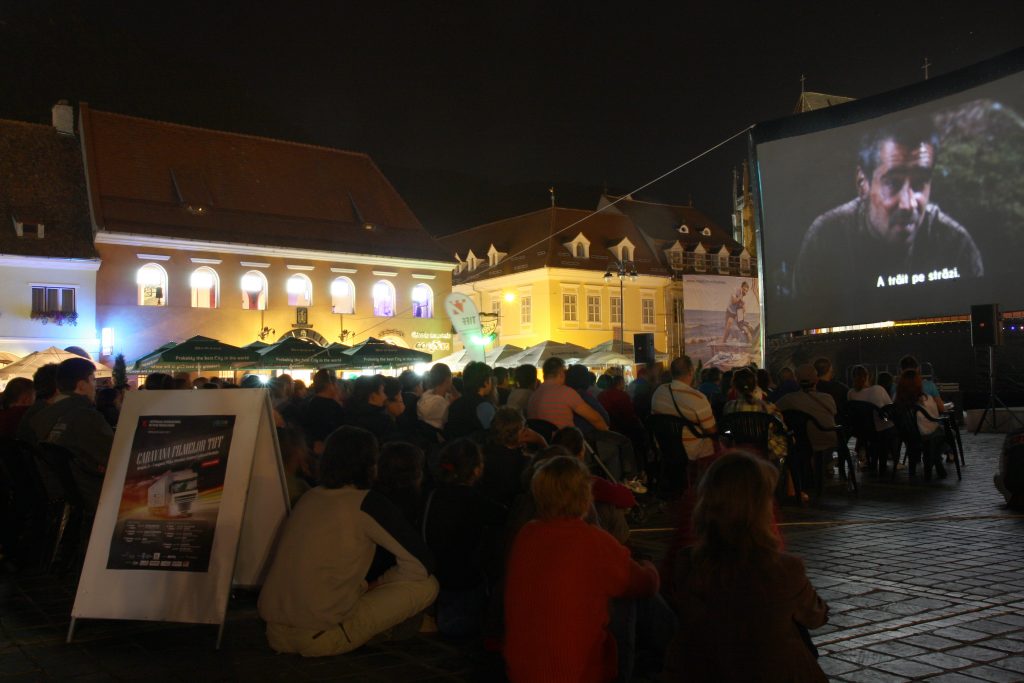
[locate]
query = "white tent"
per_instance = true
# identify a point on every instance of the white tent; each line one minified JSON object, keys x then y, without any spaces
{"x":603,"y":359}
{"x":459,"y":360}
{"x":456,"y":361}
{"x":27,"y":366}
{"x":6,"y":357}
{"x":538,"y":353}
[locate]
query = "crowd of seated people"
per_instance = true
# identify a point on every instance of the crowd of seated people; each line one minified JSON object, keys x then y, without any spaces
{"x":465,"y":505}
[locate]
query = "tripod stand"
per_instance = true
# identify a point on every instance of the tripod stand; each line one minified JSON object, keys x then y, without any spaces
{"x":992,"y":398}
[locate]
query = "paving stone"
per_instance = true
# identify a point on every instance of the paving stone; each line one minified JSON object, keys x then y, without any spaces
{"x":931,"y":642}
{"x":991,"y":673}
{"x":835,"y":667}
{"x":943,"y":660}
{"x":1011,"y":663}
{"x":975,"y":653}
{"x":862,"y":657}
{"x":908,"y":667}
{"x":953,"y":677}
{"x":1004,"y":644}
{"x":994,"y":627}
{"x":960,"y":633}
{"x":872,"y":676}
{"x":898,"y":649}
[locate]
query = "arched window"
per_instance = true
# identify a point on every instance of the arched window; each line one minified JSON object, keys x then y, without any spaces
{"x":383,"y":299}
{"x":627,"y":254}
{"x":581,"y":250}
{"x":254,"y":291}
{"x":205,"y":287}
{"x":300,"y":290}
{"x":422,"y":301}
{"x":152,"y":282}
{"x":343,"y":295}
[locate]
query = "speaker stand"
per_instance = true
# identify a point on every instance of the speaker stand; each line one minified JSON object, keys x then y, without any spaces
{"x":990,"y":409}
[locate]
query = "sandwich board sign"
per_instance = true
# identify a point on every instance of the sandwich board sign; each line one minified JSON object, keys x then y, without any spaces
{"x":192,"y":500}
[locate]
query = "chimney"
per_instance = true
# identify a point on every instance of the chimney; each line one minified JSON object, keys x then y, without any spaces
{"x":64,"y":118}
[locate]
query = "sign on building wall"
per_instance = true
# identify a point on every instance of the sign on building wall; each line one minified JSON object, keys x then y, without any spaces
{"x":722,"y":319}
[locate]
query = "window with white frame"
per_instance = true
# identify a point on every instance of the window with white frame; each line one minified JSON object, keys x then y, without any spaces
{"x":676,"y":258}
{"x":745,"y":265}
{"x":647,"y":311}
{"x":254,"y":291}
{"x":581,"y":250}
{"x":525,"y":310}
{"x":699,"y":264}
{"x":152,"y":283}
{"x":615,"y":310}
{"x":52,"y":299}
{"x":383,"y":299}
{"x":723,"y":263}
{"x":570,"y":313}
{"x":422,"y":301}
{"x":343,"y":295}
{"x":300,"y":290}
{"x":205,"y":287}
{"x":593,"y":308}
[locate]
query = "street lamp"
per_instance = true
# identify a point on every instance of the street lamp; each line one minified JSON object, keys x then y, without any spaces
{"x":622,"y":270}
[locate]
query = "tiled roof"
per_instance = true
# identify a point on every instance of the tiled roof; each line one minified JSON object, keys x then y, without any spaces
{"x":661,"y":225}
{"x":534,"y":240}
{"x":169,"y":180}
{"x":809,"y":101}
{"x":41,"y":181}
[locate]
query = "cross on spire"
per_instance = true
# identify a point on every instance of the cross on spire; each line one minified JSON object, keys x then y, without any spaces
{"x":802,"y":79}
{"x":925,"y":68}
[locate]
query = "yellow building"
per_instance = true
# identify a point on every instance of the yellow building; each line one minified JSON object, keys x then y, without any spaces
{"x":243,"y":238}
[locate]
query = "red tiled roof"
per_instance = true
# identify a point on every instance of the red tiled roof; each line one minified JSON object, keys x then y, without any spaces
{"x":164,"y":179}
{"x":42,"y":181}
{"x":534,"y":240}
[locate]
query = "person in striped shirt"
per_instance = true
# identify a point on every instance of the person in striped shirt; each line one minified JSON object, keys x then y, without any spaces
{"x":680,"y":398}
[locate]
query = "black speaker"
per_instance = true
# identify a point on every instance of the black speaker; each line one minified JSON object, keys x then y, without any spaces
{"x":986,"y":329}
{"x":643,"y":348}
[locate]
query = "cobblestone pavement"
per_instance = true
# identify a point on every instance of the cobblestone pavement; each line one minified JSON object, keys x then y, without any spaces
{"x":925,"y":582}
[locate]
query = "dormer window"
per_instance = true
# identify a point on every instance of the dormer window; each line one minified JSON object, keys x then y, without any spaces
{"x":675,"y":256}
{"x":624,"y":250}
{"x":706,"y":232}
{"x":745,"y":262}
{"x":579,"y":247}
{"x":494,"y":256}
{"x":472,"y":261}
{"x":699,"y":259}
{"x":29,"y":229}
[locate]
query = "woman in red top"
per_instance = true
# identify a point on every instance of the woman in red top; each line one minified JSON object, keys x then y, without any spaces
{"x":561,"y":574}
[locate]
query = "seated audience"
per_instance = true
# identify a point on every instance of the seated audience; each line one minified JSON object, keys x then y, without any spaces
{"x":322,"y":413}
{"x":315,"y":599}
{"x":462,"y":528}
{"x":828,"y":385}
{"x":298,"y":470}
{"x":816,"y":404}
{"x":558,"y":404}
{"x":577,"y":378}
{"x":744,"y":606}
{"x":787,"y":385}
{"x":400,"y":480}
{"x":504,"y":455}
{"x":473,"y":411}
{"x":927,"y":386}
{"x":561,"y":575}
{"x":910,"y":392}
{"x":710,"y":384}
{"x":526,"y":382}
{"x":864,"y":390}
{"x":681,"y":399}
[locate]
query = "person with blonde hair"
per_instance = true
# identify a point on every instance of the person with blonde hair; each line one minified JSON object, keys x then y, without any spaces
{"x":744,"y":606}
{"x":561,"y":574}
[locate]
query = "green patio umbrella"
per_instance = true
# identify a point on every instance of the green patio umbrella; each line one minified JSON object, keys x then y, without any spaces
{"x":374,"y":353}
{"x":195,"y":355}
{"x":290,"y":352}
{"x":331,"y":356}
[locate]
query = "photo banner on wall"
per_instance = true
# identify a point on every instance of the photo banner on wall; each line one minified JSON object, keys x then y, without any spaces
{"x":722,"y":317}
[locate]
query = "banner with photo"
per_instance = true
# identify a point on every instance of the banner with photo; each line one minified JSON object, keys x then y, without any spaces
{"x":172,"y":493}
{"x":722,"y":317}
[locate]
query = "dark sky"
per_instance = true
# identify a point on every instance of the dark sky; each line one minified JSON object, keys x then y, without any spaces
{"x":474,"y":109}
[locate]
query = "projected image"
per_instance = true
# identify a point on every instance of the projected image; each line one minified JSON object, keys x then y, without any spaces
{"x":914,"y":214}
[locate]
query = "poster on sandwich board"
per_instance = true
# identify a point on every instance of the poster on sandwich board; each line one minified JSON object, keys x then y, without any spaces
{"x":192,"y":501}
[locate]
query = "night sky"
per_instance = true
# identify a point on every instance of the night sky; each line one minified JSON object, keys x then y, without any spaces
{"x":474,"y":109}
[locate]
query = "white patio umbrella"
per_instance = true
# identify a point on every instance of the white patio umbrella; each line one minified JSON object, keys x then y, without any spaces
{"x":626,"y":349}
{"x":456,"y":361}
{"x":6,"y":357}
{"x":603,"y":359}
{"x":496,"y":356}
{"x":27,"y":366}
{"x":538,"y":353}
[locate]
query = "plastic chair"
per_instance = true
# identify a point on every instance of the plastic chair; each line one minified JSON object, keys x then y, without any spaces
{"x":798,"y":421}
{"x":667,"y":437}
{"x":880,"y":446}
{"x":752,"y":429}
{"x":905,"y":419}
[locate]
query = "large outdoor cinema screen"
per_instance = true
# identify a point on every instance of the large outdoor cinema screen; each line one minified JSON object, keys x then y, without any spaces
{"x":904,"y":206}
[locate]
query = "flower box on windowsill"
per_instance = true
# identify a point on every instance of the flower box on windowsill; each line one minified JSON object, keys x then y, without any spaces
{"x":58,"y":317}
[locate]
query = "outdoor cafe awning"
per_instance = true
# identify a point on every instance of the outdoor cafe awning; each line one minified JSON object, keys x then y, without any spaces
{"x":195,"y":355}
{"x":374,"y":353}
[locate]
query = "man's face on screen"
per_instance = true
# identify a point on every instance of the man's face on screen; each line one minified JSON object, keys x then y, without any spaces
{"x":897,"y":192}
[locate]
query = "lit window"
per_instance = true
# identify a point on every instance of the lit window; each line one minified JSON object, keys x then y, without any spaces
{"x":300,"y":290}
{"x":723,"y":263}
{"x":383,"y":299}
{"x":53,"y":300}
{"x":152,"y":282}
{"x":676,"y":259}
{"x":699,"y":263}
{"x":343,"y":295}
{"x":593,"y":308}
{"x":204,"y":287}
{"x":254,"y":291}
{"x":525,"y":310}
{"x":422,"y":301}
{"x":647,"y":311}
{"x":615,"y":310}
{"x":569,"y":312}
{"x":581,"y":251}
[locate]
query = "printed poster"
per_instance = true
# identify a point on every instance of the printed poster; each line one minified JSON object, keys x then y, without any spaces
{"x":722,"y":318}
{"x":172,"y":493}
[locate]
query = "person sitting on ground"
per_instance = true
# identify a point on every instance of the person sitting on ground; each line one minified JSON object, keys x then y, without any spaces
{"x":72,"y":422}
{"x":560,"y":577}
{"x":744,"y":606}
{"x":463,"y":529}
{"x":556,"y":403}
{"x":577,"y":378}
{"x":526,"y":382}
{"x":315,"y":599}
{"x":366,"y":408}
{"x":864,"y":390}
{"x":18,"y":397}
{"x":471,"y":413}
{"x":400,"y":480}
{"x":321,"y":414}
{"x":433,"y":406}
{"x":910,"y":392}
{"x":611,"y":501}
{"x":505,"y":457}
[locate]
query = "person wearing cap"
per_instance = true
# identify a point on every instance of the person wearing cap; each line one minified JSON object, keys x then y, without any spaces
{"x":818,"y":405}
